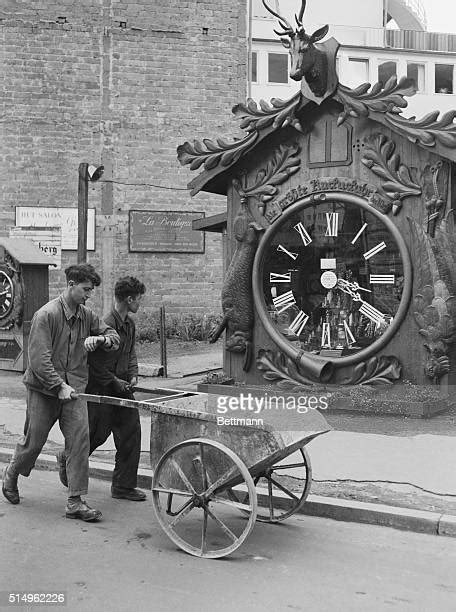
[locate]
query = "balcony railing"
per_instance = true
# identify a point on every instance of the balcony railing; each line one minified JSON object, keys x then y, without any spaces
{"x":420,"y":41}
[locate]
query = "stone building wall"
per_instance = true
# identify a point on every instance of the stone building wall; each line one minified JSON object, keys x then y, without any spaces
{"x":122,"y":84}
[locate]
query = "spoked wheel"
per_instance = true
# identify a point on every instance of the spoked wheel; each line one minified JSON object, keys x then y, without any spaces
{"x":281,"y":489}
{"x":190,"y":498}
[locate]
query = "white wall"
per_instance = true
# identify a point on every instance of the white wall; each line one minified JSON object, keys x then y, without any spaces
{"x":419,"y":105}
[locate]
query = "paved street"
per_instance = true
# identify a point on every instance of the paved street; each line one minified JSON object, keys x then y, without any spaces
{"x":127,"y":563}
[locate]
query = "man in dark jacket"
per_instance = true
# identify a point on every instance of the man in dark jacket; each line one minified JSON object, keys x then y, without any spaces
{"x":63,"y":331}
{"x":115,"y":374}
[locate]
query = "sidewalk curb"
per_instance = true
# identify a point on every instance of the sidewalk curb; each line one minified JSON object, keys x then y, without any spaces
{"x":405,"y":519}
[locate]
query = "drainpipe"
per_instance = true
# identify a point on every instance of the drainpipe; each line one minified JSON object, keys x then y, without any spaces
{"x":249,"y":48}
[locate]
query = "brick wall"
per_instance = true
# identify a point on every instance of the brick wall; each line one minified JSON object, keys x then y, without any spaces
{"x":120,"y":83}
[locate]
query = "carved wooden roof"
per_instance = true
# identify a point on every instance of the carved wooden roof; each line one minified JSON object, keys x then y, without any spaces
{"x":381,"y":104}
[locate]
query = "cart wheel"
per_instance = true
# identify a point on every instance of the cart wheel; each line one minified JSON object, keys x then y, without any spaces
{"x":190,"y":498}
{"x":281,"y":489}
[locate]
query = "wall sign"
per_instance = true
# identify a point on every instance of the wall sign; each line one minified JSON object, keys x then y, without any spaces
{"x":48,"y":239}
{"x":165,"y":232}
{"x":66,"y":218}
{"x":9,"y":349}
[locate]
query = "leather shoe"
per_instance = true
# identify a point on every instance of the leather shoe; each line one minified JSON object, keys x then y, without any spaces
{"x":81,"y":510}
{"x":61,"y":460}
{"x":9,"y":486}
{"x":130,"y":494}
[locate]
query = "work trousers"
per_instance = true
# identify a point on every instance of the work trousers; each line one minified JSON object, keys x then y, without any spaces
{"x":125,"y":426}
{"x":42,"y":412}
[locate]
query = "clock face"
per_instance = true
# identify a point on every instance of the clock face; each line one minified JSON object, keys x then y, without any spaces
{"x":6,"y":294}
{"x":332,"y":278}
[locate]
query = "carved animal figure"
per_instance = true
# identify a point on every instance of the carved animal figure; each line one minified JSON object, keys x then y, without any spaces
{"x":434,"y":307}
{"x":307,"y":61}
{"x":237,"y":298}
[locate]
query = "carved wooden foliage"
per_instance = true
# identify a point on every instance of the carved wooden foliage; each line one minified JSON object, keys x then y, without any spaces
{"x":362,"y":100}
{"x":283,"y":372}
{"x":386,"y":164}
{"x":211,"y":153}
{"x":389,"y":100}
{"x":285,"y":163}
{"x":428,"y":130}
{"x":278,"y":113}
{"x":385,"y":369}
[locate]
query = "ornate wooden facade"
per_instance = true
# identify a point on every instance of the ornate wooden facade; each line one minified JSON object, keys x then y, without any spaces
{"x":336,"y":155}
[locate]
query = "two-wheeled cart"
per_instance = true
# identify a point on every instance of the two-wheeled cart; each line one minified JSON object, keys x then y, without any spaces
{"x":213,"y":476}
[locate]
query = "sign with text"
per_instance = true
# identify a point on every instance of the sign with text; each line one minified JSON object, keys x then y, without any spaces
{"x":9,"y":349}
{"x":165,"y":232}
{"x":48,"y":239}
{"x":66,"y":218}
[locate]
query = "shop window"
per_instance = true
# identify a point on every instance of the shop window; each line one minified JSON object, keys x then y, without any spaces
{"x":278,"y":68}
{"x":385,"y":71}
{"x":358,"y":72}
{"x":416,"y":73}
{"x":444,"y":78}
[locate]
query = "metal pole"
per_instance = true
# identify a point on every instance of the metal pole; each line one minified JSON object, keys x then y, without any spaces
{"x":163,"y":356}
{"x":249,"y":49}
{"x":83,"y":205}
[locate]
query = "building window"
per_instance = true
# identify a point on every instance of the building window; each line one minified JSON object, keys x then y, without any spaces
{"x":385,"y":71}
{"x":278,"y":68}
{"x":416,"y":73}
{"x":444,"y":78}
{"x":254,"y":65}
{"x":358,"y":72}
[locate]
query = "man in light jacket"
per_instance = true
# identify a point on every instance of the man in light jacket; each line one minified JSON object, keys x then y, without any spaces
{"x":62,"y":333}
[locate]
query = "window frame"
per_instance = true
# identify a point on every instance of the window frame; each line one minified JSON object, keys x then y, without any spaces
{"x":445,"y":93}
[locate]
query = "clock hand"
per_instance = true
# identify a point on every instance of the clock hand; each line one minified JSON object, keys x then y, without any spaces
{"x":341,"y":283}
{"x":346,"y":288}
{"x":357,"y":287}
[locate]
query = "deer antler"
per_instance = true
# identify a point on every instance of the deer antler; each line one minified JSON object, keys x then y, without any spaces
{"x":301,"y":14}
{"x":284,"y":24}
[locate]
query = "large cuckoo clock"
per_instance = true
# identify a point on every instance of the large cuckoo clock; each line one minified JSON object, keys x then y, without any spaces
{"x":24,"y":287}
{"x":342,"y":268}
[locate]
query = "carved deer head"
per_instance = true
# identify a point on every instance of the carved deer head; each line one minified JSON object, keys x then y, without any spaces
{"x":306,"y":60}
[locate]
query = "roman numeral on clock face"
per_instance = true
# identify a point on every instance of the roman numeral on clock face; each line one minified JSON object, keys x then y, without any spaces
{"x":381,"y":279}
{"x":284,"y":301}
{"x":371,"y":313}
{"x":332,"y":223}
{"x":348,"y":334}
{"x":284,"y":250}
{"x":376,"y":249}
{"x":279,"y":278}
{"x":297,"y":325}
{"x":325,"y":335}
{"x":299,"y":227}
{"x":359,"y":233}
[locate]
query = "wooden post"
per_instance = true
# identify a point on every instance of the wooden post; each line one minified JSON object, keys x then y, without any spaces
{"x":163,"y":356}
{"x":83,"y":206}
